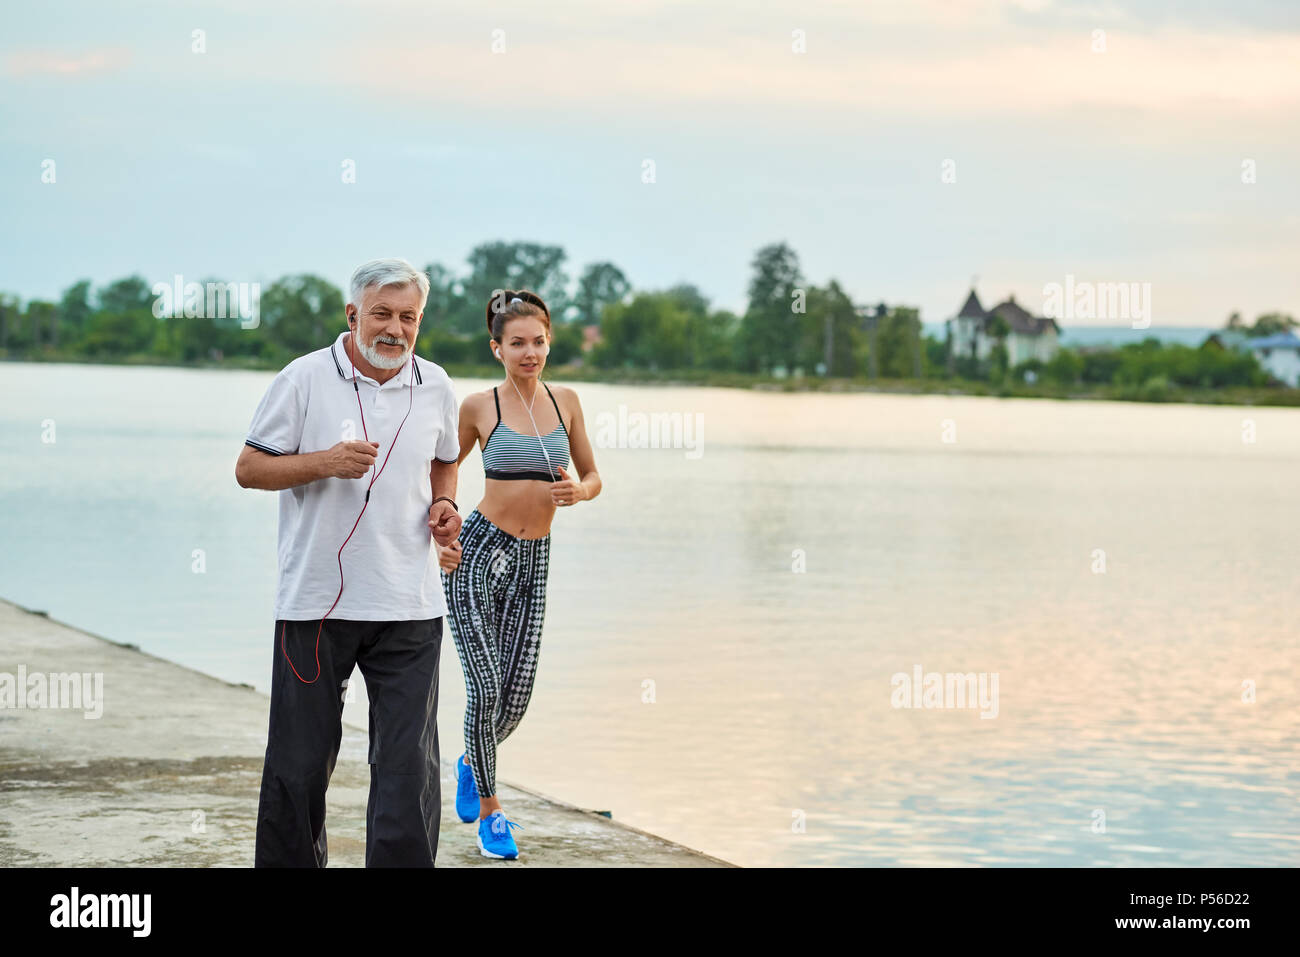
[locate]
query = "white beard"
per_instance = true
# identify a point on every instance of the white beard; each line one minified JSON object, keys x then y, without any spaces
{"x":380,"y":361}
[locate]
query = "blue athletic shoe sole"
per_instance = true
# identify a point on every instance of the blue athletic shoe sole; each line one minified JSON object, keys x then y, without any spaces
{"x":501,"y":857}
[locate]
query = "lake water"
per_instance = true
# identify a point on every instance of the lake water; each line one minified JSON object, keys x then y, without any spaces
{"x":723,"y":629}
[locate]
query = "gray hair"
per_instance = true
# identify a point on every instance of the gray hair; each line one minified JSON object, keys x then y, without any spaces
{"x":387,"y":272}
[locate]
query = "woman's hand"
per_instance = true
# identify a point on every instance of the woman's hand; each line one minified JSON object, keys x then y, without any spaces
{"x":449,"y":557}
{"x":568,"y":490}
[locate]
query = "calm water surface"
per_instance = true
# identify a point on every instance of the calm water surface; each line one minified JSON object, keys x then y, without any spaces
{"x":698,"y":686}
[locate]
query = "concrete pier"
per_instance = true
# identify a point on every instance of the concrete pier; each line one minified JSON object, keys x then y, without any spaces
{"x":169,"y":773}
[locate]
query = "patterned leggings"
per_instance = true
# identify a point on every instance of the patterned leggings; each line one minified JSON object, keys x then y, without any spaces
{"x":496,"y":600}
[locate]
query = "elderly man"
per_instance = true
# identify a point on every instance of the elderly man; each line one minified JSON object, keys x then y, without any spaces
{"x":357,"y":582}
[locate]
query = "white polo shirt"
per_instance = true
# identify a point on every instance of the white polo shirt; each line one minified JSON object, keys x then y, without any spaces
{"x":390,"y":569}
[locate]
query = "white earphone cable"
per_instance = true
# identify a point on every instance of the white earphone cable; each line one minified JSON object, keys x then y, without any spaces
{"x":529,"y":409}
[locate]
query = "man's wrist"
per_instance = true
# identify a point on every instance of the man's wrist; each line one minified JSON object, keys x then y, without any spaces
{"x":446,"y":498}
{"x":319,"y":465}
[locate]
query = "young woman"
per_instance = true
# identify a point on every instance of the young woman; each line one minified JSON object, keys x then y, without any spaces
{"x":495,"y":573}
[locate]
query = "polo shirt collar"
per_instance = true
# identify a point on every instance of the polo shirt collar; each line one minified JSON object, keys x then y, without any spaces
{"x":344,"y":365}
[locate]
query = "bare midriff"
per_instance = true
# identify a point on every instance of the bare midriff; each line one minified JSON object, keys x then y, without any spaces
{"x":519,"y":507}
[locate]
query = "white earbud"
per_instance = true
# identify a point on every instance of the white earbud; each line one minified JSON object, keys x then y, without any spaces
{"x":497,"y":353}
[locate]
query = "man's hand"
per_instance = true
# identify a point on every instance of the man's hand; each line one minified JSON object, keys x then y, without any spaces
{"x":444,"y":523}
{"x":350,"y":460}
{"x":568,"y":490}
{"x":449,"y":557}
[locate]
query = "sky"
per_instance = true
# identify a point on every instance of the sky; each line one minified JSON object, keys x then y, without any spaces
{"x":1102,"y":141}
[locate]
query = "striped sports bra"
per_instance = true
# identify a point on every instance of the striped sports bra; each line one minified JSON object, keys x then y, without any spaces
{"x":508,"y":454}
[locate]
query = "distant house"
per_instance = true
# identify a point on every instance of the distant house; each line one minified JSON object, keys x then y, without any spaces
{"x":590,"y":337}
{"x":1279,"y":356}
{"x":1029,"y":337}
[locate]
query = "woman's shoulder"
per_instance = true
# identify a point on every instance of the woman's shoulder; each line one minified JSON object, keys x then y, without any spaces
{"x":563,"y":394}
{"x":477,"y":402}
{"x":478,"y":398}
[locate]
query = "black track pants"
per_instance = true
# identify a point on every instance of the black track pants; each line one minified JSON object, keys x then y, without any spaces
{"x":399,"y":661}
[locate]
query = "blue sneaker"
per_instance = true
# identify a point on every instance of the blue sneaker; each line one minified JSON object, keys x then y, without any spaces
{"x":494,"y":838}
{"x":467,"y":805}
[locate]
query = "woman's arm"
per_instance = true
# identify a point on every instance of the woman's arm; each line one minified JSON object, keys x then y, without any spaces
{"x":468,"y":425}
{"x":584,"y":461}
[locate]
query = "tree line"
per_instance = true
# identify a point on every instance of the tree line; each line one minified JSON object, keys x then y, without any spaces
{"x":790,"y":327}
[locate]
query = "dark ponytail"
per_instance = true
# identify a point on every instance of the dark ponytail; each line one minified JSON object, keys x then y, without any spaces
{"x":501,"y":308}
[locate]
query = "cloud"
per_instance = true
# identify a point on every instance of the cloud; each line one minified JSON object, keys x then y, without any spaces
{"x":49,"y":63}
{"x":1184,"y":72}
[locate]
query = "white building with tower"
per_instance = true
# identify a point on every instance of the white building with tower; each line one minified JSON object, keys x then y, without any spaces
{"x":971,"y":332}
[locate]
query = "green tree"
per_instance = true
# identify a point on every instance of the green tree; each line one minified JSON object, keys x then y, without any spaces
{"x":445,"y":348}
{"x":1064,"y":368}
{"x":936,"y":358}
{"x":710,"y":336}
{"x":689,"y":298}
{"x":770,"y":332}
{"x":1099,"y":365}
{"x":13,"y":331}
{"x":713,"y":340}
{"x":74,"y":308}
{"x":204,"y":336}
{"x":831,"y":330}
{"x":601,"y":284}
{"x":1272,"y":323}
{"x":566,"y":343}
{"x":898,"y":344}
{"x":444,"y":299}
{"x":121,"y":334}
{"x":125,"y":295}
{"x":650,"y":332}
{"x":302,"y":313}
{"x":510,"y":265}
{"x":43,"y":318}
{"x":1150,"y":361}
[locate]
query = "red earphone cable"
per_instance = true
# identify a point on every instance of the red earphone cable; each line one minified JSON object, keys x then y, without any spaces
{"x":410,"y":383}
